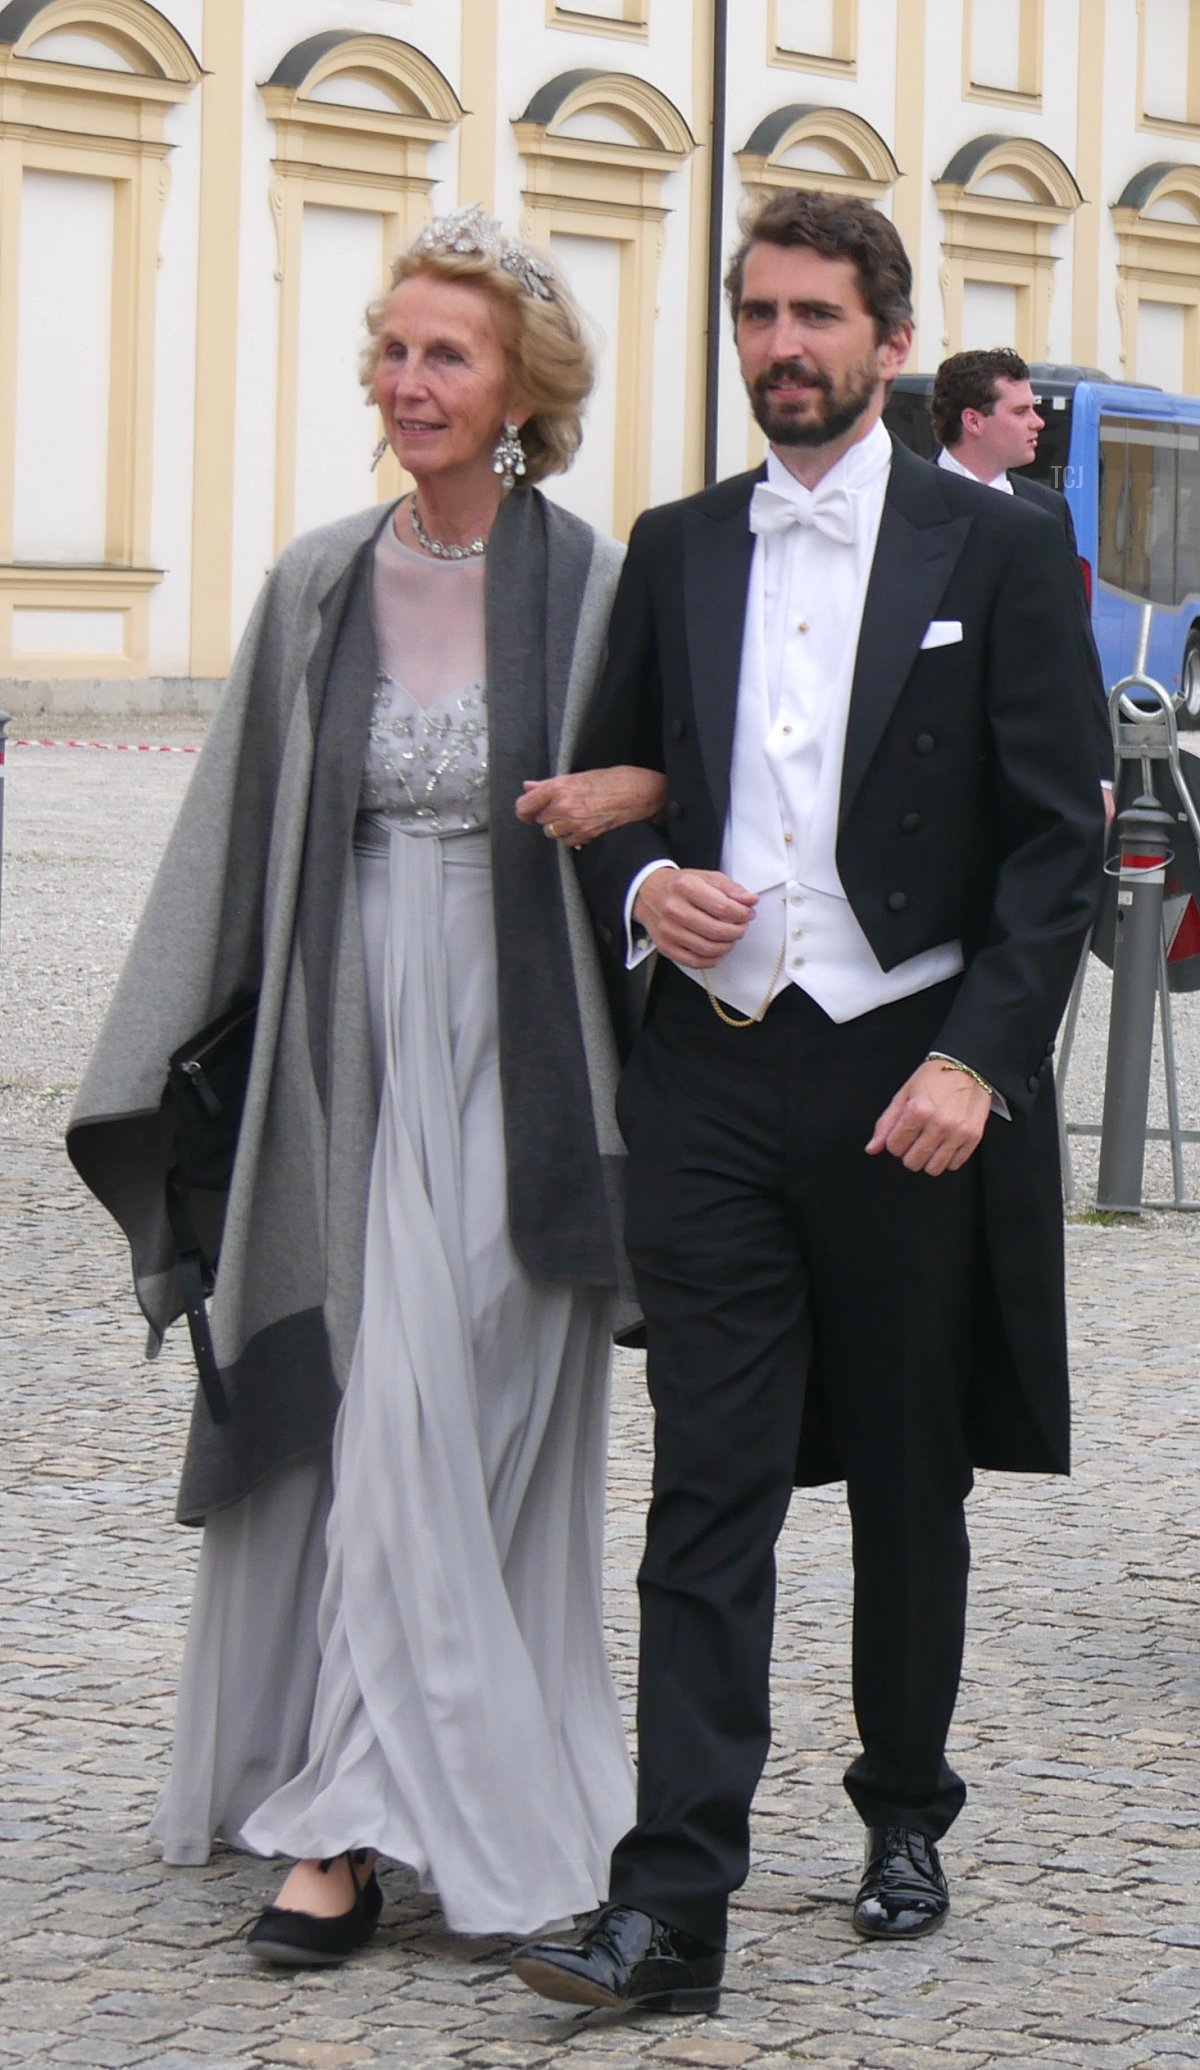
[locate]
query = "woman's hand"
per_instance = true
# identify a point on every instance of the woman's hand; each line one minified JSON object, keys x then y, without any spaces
{"x":575,"y":809}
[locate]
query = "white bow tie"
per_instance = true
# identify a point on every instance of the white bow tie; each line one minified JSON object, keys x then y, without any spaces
{"x":830,"y":511}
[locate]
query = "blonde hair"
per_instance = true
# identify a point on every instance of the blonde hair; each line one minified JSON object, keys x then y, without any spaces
{"x":549,"y":357}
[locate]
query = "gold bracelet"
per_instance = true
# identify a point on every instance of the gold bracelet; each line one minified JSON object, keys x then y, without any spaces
{"x":937,"y":1056}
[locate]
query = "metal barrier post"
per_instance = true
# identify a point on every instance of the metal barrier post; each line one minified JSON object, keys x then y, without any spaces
{"x":1065,"y":1046}
{"x":1171,"y":1081}
{"x":1145,"y":831}
{"x":1145,"y":733}
{"x":4,"y":719}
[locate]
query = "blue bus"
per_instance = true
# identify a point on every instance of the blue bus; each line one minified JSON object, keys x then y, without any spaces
{"x":1127,"y":459}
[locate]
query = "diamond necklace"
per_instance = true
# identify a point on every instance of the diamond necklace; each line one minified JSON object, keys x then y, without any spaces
{"x":439,"y":547}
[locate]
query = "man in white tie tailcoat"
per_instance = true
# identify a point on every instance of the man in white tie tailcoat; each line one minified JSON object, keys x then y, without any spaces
{"x":878,"y":866}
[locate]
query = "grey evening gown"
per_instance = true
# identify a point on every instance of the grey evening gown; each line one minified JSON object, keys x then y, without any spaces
{"x":464,"y":1720}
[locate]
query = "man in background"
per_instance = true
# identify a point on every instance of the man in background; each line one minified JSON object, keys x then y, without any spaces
{"x":985,"y":419}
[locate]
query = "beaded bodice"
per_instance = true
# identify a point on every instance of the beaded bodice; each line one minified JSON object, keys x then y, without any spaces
{"x":426,"y":766}
{"x":426,"y":763}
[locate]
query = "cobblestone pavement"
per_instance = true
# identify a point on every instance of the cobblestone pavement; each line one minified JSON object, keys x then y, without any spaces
{"x":1075,"y":1934}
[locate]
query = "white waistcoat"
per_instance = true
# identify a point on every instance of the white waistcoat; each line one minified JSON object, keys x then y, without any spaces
{"x":804,"y":612}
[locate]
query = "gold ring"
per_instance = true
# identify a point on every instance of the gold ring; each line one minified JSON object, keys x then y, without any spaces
{"x":551,"y":830}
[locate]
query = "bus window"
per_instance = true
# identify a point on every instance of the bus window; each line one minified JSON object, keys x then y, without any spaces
{"x":1187,"y":527}
{"x":1140,"y":540}
{"x":1161,"y":466}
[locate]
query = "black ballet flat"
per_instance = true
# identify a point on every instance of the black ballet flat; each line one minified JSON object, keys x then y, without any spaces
{"x":302,"y":1940}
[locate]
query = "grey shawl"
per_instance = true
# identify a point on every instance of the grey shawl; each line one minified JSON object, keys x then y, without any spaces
{"x":257,"y":891}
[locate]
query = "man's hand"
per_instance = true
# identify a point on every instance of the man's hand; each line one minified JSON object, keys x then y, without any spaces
{"x":693,"y":916}
{"x":936,"y":1120}
{"x":576,"y":809}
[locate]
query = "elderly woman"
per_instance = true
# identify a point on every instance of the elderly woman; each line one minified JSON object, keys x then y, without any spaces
{"x":421,"y":1208}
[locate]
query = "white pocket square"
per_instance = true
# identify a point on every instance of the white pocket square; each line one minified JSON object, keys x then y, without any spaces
{"x":942,"y":632}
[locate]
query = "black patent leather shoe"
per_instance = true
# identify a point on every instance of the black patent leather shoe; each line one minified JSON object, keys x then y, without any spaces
{"x":304,"y":1940}
{"x":626,"y":1959}
{"x":903,"y":1893}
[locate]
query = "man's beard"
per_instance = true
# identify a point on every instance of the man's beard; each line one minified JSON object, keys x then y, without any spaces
{"x":837,"y":412}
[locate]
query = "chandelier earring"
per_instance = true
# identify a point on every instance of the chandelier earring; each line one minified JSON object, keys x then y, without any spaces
{"x":508,"y":460}
{"x":378,"y":454}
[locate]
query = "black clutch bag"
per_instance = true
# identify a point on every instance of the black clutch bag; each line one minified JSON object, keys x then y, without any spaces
{"x":202,"y":1103}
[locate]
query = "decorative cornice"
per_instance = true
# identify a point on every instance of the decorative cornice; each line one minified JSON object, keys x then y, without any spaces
{"x":1021,"y":155}
{"x":655,"y":123}
{"x":1154,"y":182}
{"x":866,"y":158}
{"x":397,"y":67}
{"x":143,"y":36}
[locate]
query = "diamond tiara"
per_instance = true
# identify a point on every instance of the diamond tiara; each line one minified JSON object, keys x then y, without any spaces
{"x":470,"y":230}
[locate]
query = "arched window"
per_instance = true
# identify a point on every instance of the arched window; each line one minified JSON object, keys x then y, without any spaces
{"x":599,"y":148}
{"x":1002,"y":200}
{"x":1157,"y":221}
{"x":357,"y":119}
{"x":86,"y":87}
{"x":806,"y":146}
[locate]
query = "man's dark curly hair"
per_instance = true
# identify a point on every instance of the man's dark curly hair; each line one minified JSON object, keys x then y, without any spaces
{"x":967,"y":381}
{"x":838,"y":227}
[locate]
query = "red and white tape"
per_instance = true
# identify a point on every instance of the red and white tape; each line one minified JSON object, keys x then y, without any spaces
{"x":111,"y":747}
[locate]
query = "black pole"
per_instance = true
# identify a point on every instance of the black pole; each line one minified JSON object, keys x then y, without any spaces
{"x":1146,"y":832}
{"x":716,"y":238}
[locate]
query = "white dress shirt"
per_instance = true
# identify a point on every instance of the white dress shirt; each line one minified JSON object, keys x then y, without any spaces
{"x":803,"y":618}
{"x":998,"y":481}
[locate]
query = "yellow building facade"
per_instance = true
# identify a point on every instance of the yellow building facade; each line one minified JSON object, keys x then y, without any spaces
{"x":197,"y":199}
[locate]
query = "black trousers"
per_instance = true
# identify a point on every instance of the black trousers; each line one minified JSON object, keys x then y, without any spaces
{"x":762,"y":1236}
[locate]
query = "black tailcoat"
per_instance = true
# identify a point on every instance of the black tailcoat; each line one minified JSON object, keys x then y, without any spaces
{"x":969,"y":810}
{"x":1059,"y":509}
